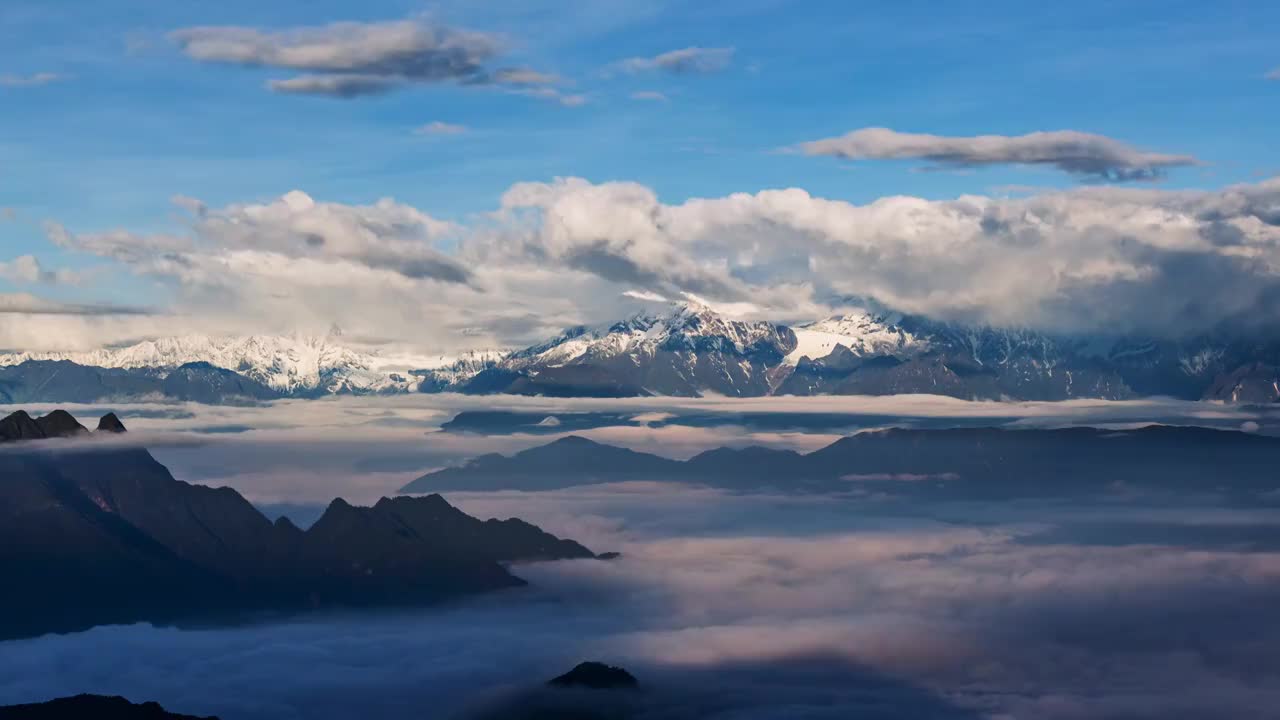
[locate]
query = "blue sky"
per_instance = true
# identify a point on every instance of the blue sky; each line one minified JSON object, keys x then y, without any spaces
{"x":132,"y":121}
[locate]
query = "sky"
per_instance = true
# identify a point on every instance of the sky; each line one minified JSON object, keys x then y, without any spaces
{"x":462,"y":174}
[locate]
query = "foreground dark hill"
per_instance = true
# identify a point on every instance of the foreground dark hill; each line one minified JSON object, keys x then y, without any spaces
{"x":104,"y":521}
{"x":978,"y":462}
{"x":91,"y":707}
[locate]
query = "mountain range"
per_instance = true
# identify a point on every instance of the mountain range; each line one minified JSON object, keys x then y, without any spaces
{"x":592,"y":676}
{"x":972,"y":463}
{"x":81,"y":517}
{"x":688,"y":351}
{"x":94,"y":707}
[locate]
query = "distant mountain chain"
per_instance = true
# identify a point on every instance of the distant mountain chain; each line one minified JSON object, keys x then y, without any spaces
{"x":956,"y":463}
{"x":560,"y":698}
{"x":84,"y":517}
{"x":97,"y":707}
{"x":689,"y":351}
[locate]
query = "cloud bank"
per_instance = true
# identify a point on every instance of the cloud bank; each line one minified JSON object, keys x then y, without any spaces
{"x":750,"y":607}
{"x":1094,"y":157}
{"x":1099,"y":260}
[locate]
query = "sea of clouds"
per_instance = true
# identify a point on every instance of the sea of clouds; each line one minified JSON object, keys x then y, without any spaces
{"x":724,"y":605}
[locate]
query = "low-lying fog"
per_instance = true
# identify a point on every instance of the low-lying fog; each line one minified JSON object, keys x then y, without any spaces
{"x":724,"y":605}
{"x":361,"y":448}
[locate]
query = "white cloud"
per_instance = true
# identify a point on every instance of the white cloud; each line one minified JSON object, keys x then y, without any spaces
{"x":1077,"y":153}
{"x":342,"y":86}
{"x":352,"y":59}
{"x":553,"y":95}
{"x":32,"y":80}
{"x":440,"y":128}
{"x":1274,"y":74}
{"x":525,"y":76}
{"x":27,"y":270}
{"x":685,"y":61}
{"x":1092,"y":259}
{"x":553,"y":254}
{"x":649,"y":95}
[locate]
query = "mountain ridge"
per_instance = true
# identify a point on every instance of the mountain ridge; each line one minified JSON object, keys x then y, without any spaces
{"x":971,"y":462}
{"x":689,"y":350}
{"x":112,"y":522}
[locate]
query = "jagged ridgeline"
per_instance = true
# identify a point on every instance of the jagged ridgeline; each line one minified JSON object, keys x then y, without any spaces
{"x":687,"y":351}
{"x":81,"y":517}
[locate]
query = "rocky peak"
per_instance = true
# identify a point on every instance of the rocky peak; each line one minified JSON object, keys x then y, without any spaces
{"x":110,"y":423}
{"x":57,"y":424}
{"x":60,"y":423}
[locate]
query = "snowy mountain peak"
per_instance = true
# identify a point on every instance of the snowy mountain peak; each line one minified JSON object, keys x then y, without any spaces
{"x":289,"y":364}
{"x":686,"y":327}
{"x":864,"y":332}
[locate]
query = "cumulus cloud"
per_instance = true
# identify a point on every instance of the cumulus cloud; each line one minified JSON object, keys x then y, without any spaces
{"x":1084,"y":154}
{"x":1086,"y":260}
{"x":352,"y":59}
{"x":32,"y":80}
{"x":685,"y":61}
{"x":385,"y":236}
{"x":293,"y":264}
{"x":553,"y":254}
{"x":27,"y":270}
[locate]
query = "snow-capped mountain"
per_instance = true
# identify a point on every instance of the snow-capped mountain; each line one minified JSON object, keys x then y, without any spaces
{"x":864,"y":332}
{"x":693,"y":350}
{"x":687,"y":327}
{"x":449,"y":372}
{"x":688,"y":351}
{"x":290,"y":365}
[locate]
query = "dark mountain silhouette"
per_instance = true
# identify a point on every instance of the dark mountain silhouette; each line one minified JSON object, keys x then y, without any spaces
{"x":91,"y":707}
{"x":569,"y":461}
{"x":112,"y":524}
{"x":979,"y":462}
{"x":828,"y":685}
{"x":596,"y":676}
{"x":63,"y":381}
{"x":57,"y":424}
{"x":205,"y":383}
{"x":110,"y":423}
